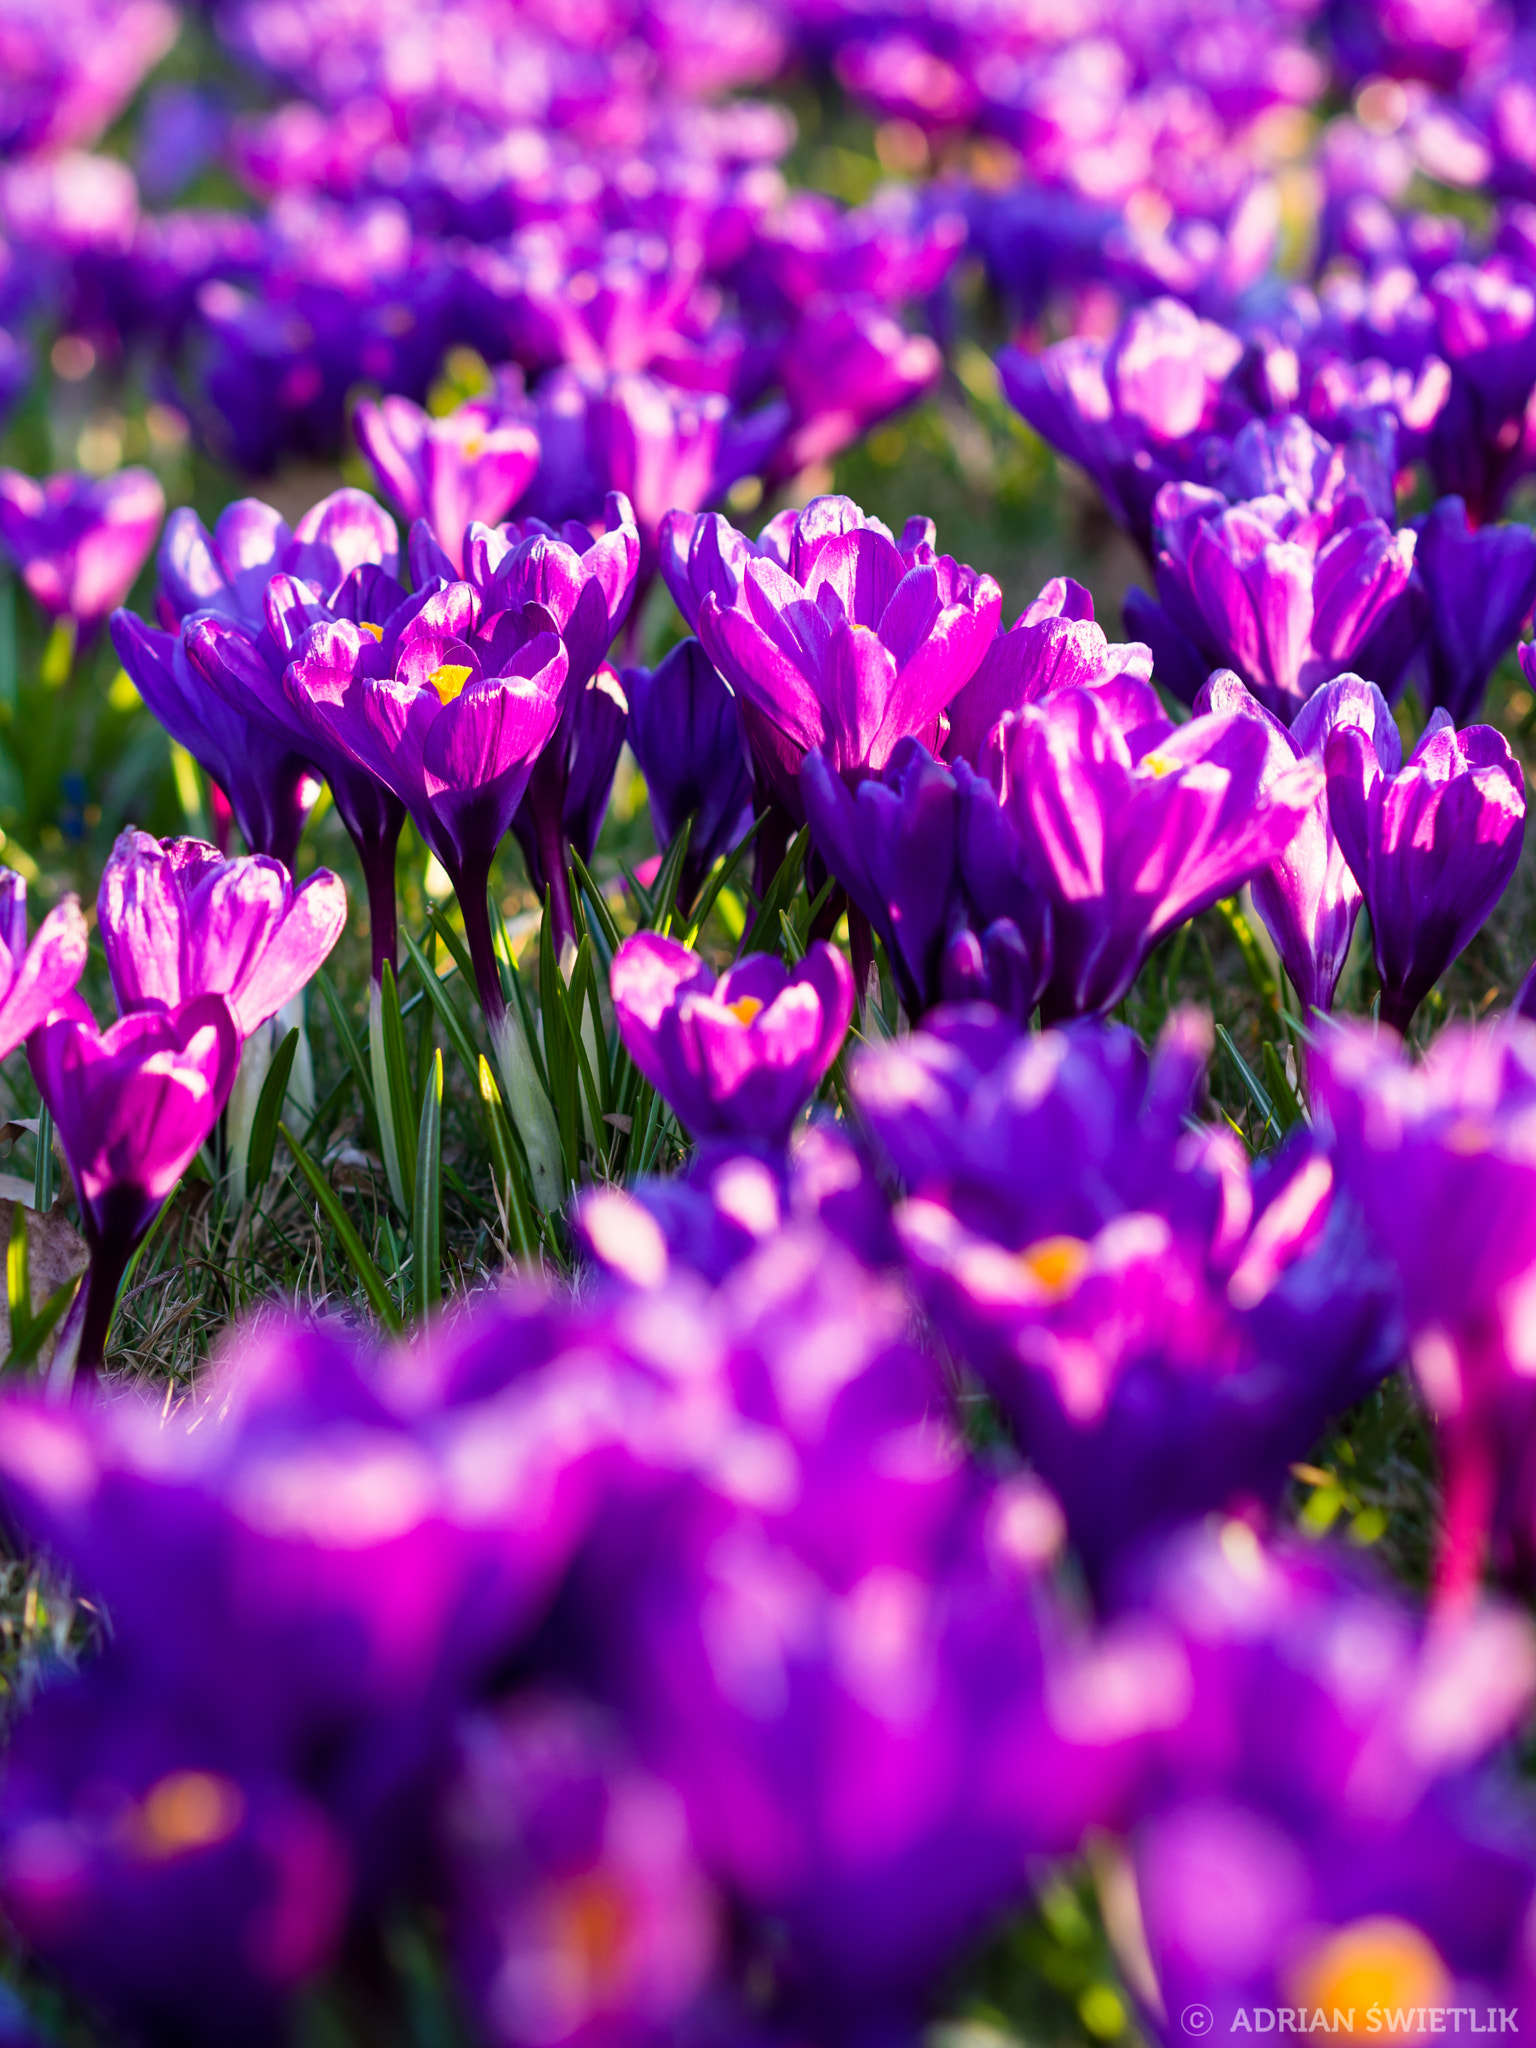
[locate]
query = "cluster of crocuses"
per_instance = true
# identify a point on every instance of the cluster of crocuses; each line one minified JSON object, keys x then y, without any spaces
{"x":601,"y":226}
{"x":201,"y":952}
{"x":673,"y":1651}
{"x":669,"y":1642}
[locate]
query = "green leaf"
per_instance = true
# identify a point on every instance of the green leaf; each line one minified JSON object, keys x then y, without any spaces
{"x":351,"y":1046}
{"x":559,"y":1052}
{"x":1230,"y":912}
{"x":1288,"y":1109}
{"x":427,"y":1219}
{"x":664,"y":888}
{"x":601,"y":914}
{"x":718,"y":879}
{"x":400,"y":1107}
{"x":447,"y":1010}
{"x":762,"y":935}
{"x":1252,"y":1087}
{"x":29,"y":1332}
{"x":456,"y":947}
{"x":42,"y":1171}
{"x":269,"y":1107}
{"x":46,"y":1321}
{"x":357,"y":1254}
{"x":18,"y":1285}
{"x":511,"y":1174}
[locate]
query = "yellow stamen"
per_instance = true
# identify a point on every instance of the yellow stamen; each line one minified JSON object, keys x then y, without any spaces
{"x":1468,"y":1134}
{"x":744,"y":1009}
{"x":1157,"y":764}
{"x":1056,"y":1262}
{"x":367,"y":626}
{"x":189,"y":1810}
{"x":449,"y":680}
{"x":1382,"y":1962}
{"x":595,"y":1918}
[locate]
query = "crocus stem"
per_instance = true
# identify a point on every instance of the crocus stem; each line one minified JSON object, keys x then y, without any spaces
{"x":552,"y":859}
{"x":1467,"y":1519}
{"x":378,"y":859}
{"x":527,"y":1104}
{"x":98,"y":1293}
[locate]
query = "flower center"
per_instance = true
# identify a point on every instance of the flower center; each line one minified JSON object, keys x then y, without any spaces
{"x":744,"y":1009}
{"x":1157,"y":764}
{"x":449,"y":680}
{"x":1056,"y":1262}
{"x":1375,"y":1962}
{"x":367,"y":626}
{"x":189,"y":1810}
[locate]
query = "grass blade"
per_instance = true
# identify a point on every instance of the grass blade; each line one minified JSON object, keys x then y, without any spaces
{"x":601,"y":914}
{"x":511,"y":1176}
{"x":42,"y":1172}
{"x":351,"y":1046}
{"x":357,"y":1252}
{"x":718,"y":878}
{"x":762,"y":934}
{"x":427,"y":1218}
{"x":1288,"y":1109}
{"x":269,"y":1107}
{"x":399,"y":1105}
{"x":447,"y":1011}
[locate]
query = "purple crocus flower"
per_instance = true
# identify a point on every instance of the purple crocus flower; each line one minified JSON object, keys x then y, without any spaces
{"x":332,"y":1546}
{"x":80,"y":541}
{"x":578,"y":1902}
{"x":185,"y":1890}
{"x":35,"y":979}
{"x":838,"y":1642}
{"x":451,"y":719}
{"x":256,"y":589}
{"x":855,"y":642}
{"x":659,"y":446}
{"x":1485,"y":328}
{"x":737,"y":1057}
{"x":471,"y":466}
{"x":1481,"y":585}
{"x":579,"y":585}
{"x":1307,"y":896}
{"x":685,"y":734}
{"x":1432,"y":843}
{"x":132,"y":1105}
{"x":1323,"y":1835}
{"x":1288,"y":598}
{"x":270,"y":789}
{"x":214,"y":679}
{"x":1052,"y":644}
{"x":1131,"y":824}
{"x":730,"y":1199}
{"x":926,"y":854}
{"x":844,"y":369}
{"x":1132,"y":410}
{"x":178,"y":921}
{"x":1438,"y":1154}
{"x":1167,"y":1327}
